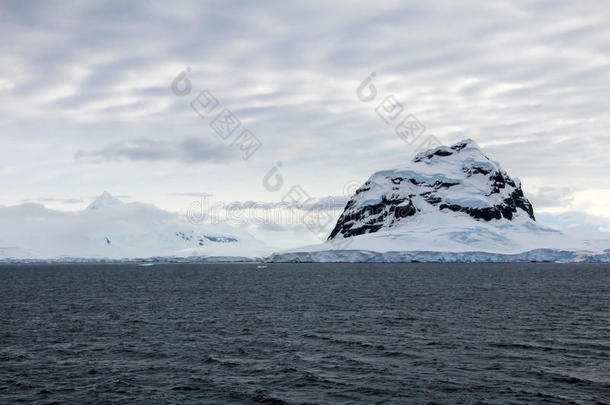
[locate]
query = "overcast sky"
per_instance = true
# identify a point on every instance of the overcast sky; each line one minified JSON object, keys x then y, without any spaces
{"x":86,"y":100}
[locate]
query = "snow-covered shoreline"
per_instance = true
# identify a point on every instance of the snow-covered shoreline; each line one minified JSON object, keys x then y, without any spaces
{"x":363,"y":256}
{"x":355,"y":256}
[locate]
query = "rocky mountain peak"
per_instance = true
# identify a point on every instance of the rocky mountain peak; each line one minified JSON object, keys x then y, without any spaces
{"x":439,"y":183}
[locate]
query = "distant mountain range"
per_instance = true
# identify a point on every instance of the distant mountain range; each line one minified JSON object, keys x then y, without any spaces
{"x":451,"y":203}
{"x":110,"y":228}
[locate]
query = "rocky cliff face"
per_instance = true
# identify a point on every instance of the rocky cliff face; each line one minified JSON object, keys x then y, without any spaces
{"x":458,"y":180}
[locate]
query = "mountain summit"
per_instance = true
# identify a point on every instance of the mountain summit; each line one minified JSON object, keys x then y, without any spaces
{"x":457,"y":181}
{"x":106,"y":200}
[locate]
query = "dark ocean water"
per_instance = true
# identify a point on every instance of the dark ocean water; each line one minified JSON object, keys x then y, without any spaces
{"x":305,"y":333}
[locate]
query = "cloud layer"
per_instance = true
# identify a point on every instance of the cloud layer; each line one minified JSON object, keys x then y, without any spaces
{"x":84,"y":83}
{"x":186,"y":150}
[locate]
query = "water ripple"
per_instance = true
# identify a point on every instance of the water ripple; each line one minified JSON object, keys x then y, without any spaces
{"x":305,"y":333}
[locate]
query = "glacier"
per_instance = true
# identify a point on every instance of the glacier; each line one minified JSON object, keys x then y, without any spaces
{"x":358,"y":256}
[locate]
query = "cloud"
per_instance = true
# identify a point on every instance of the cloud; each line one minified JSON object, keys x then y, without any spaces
{"x":571,"y":219}
{"x":320,"y":203}
{"x":6,"y":170}
{"x":275,"y":227}
{"x":547,"y":197}
{"x":528,"y":80}
{"x":53,"y":200}
{"x":189,"y":194}
{"x":186,"y":150}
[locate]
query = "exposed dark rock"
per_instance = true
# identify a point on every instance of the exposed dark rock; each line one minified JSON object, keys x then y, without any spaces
{"x":505,"y":210}
{"x":475,"y":170}
{"x":438,"y":152}
{"x":374,"y":217}
{"x":431,"y":198}
{"x":460,"y":145}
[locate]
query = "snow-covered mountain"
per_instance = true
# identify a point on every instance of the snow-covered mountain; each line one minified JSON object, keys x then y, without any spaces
{"x":110,"y":228}
{"x":448,"y":199}
{"x":458,"y":179}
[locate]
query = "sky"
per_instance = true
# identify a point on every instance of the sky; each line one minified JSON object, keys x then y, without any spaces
{"x":123,"y":96}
